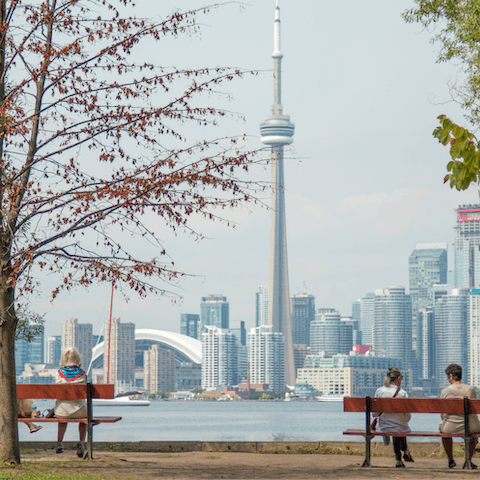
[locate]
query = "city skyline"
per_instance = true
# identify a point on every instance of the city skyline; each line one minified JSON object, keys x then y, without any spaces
{"x":354,"y":208}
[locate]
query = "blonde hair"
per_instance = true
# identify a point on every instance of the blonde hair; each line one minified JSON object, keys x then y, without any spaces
{"x":392,"y":374}
{"x":70,"y":357}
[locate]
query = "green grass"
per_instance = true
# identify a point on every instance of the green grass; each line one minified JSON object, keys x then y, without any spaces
{"x":213,"y":457}
{"x":169,"y":456}
{"x":23,"y":474}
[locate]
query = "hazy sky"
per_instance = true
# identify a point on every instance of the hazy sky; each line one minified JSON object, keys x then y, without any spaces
{"x":363,"y":177}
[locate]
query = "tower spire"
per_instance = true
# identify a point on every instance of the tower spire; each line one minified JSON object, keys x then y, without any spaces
{"x":277,"y":131}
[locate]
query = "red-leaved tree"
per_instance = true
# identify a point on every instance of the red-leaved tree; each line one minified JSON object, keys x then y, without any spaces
{"x":84,"y":134}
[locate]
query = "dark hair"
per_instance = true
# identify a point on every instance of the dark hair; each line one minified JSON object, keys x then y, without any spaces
{"x":392,"y":374}
{"x":455,"y":371}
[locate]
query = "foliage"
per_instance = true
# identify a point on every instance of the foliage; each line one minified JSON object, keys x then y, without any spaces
{"x":266,"y":395}
{"x":197,"y":390}
{"x":464,"y":150}
{"x":159,"y":395}
{"x":455,"y":24}
{"x":29,"y":324}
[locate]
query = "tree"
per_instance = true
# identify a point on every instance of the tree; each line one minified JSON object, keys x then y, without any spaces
{"x":456,"y":26}
{"x":91,"y":139}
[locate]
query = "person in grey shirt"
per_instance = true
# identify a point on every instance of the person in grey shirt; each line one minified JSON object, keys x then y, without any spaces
{"x":455,"y":423}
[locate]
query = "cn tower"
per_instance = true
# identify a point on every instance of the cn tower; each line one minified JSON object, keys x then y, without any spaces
{"x":277,"y":131}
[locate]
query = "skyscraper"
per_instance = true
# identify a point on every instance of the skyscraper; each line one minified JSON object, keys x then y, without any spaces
{"x":159,"y":369}
{"x":119,"y":353}
{"x":80,"y":336}
{"x":266,"y":355}
{"x":277,"y":131}
{"x":473,"y":336}
{"x":219,"y":358}
{"x":190,"y":325}
{"x":330,"y":335}
{"x":54,"y":350}
{"x":426,"y":351}
{"x":261,"y":306}
{"x":29,"y":352}
{"x":467,"y":241}
{"x":303,"y":313}
{"x":367,"y":318}
{"x":427,"y":266}
{"x":215,"y":311}
{"x":392,"y":336}
{"x":451,"y":331}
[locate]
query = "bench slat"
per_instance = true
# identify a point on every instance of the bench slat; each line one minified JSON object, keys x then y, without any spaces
{"x":359,"y":432}
{"x":411,"y":405}
{"x":69,"y":420}
{"x":63,"y":391}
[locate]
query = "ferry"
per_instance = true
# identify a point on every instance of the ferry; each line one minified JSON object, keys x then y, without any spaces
{"x":331,"y":398}
{"x":128,"y":399}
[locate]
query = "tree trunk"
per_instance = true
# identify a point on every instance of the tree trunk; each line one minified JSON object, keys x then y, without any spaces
{"x":9,"y":447}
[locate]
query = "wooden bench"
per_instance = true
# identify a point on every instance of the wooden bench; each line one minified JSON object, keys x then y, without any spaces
{"x":459,"y":406}
{"x":87,"y":391}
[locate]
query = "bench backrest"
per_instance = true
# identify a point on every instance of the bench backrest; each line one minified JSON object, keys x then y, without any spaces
{"x":411,"y":405}
{"x":63,"y":391}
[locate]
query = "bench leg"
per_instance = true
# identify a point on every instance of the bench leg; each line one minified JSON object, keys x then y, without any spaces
{"x":89,"y":452}
{"x":368,"y":440}
{"x":468,"y":460}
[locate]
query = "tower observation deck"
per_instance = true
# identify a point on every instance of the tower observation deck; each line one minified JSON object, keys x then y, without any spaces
{"x":277,"y":131}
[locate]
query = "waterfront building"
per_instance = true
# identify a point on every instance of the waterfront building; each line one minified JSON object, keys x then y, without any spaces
{"x":190,"y":325}
{"x":80,"y":336}
{"x":352,"y":375}
{"x":303,"y":313}
{"x":367,"y":318}
{"x":119,"y":353}
{"x":219,"y":358}
{"x":451,"y":341}
{"x":159,"y":370}
{"x":427,"y":266}
{"x":214,"y":311}
{"x":187,"y":375}
{"x":473,"y":338}
{"x":467,"y":242}
{"x":266,"y":356}
{"x":54,"y":350}
{"x":329,"y":334}
{"x":277,"y":131}
{"x":300,"y":352}
{"x":29,"y":352}
{"x":393,"y":325}
{"x":261,"y":305}
{"x":426,"y":335}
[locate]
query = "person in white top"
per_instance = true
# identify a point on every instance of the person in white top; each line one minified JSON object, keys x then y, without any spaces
{"x":394,"y":422}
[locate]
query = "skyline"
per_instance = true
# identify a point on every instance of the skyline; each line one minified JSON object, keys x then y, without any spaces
{"x":365,"y":177}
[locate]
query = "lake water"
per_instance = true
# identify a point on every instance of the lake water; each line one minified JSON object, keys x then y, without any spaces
{"x":223,"y":421}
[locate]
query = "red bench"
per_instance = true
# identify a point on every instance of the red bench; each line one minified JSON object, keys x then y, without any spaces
{"x":459,"y":406}
{"x":87,"y":391}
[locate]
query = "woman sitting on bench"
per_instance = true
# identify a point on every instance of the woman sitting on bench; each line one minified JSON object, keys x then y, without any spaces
{"x":456,"y":423}
{"x":394,"y":422}
{"x":70,"y":372}
{"x":25,"y":411}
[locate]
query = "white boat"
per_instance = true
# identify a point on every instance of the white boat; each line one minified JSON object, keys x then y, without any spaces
{"x":131,"y":399}
{"x":331,"y":398}
{"x":292,"y":397}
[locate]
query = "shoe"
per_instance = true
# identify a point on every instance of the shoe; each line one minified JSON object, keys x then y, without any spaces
{"x":59,"y":449}
{"x":408,"y":457}
{"x":474,"y":467}
{"x":36,"y":429}
{"x":400,"y":465}
{"x":386,"y":440}
{"x":80,"y":450}
{"x":451,"y":463}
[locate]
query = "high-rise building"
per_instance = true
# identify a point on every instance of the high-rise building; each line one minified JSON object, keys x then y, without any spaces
{"x":356,"y":310}
{"x":473,"y":338}
{"x":300,"y":352}
{"x":261,"y":305}
{"x":54,"y":349}
{"x":328,"y":334}
{"x":119,"y":353}
{"x":241,"y":333}
{"x":393,"y":325}
{"x":467,"y":242}
{"x":219,"y":358}
{"x":80,"y":336}
{"x":357,"y":337}
{"x":29,"y":352}
{"x":367,"y":318}
{"x":303,"y":313}
{"x":190,"y":325}
{"x":451,"y":333}
{"x":426,"y":344}
{"x":427,"y":266}
{"x":214,"y":311}
{"x":266,"y":355}
{"x":277,"y":131}
{"x":159,"y":369}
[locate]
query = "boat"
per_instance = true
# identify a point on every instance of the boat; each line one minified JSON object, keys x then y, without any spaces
{"x":331,"y":398}
{"x":292,"y":397}
{"x":128,"y":399}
